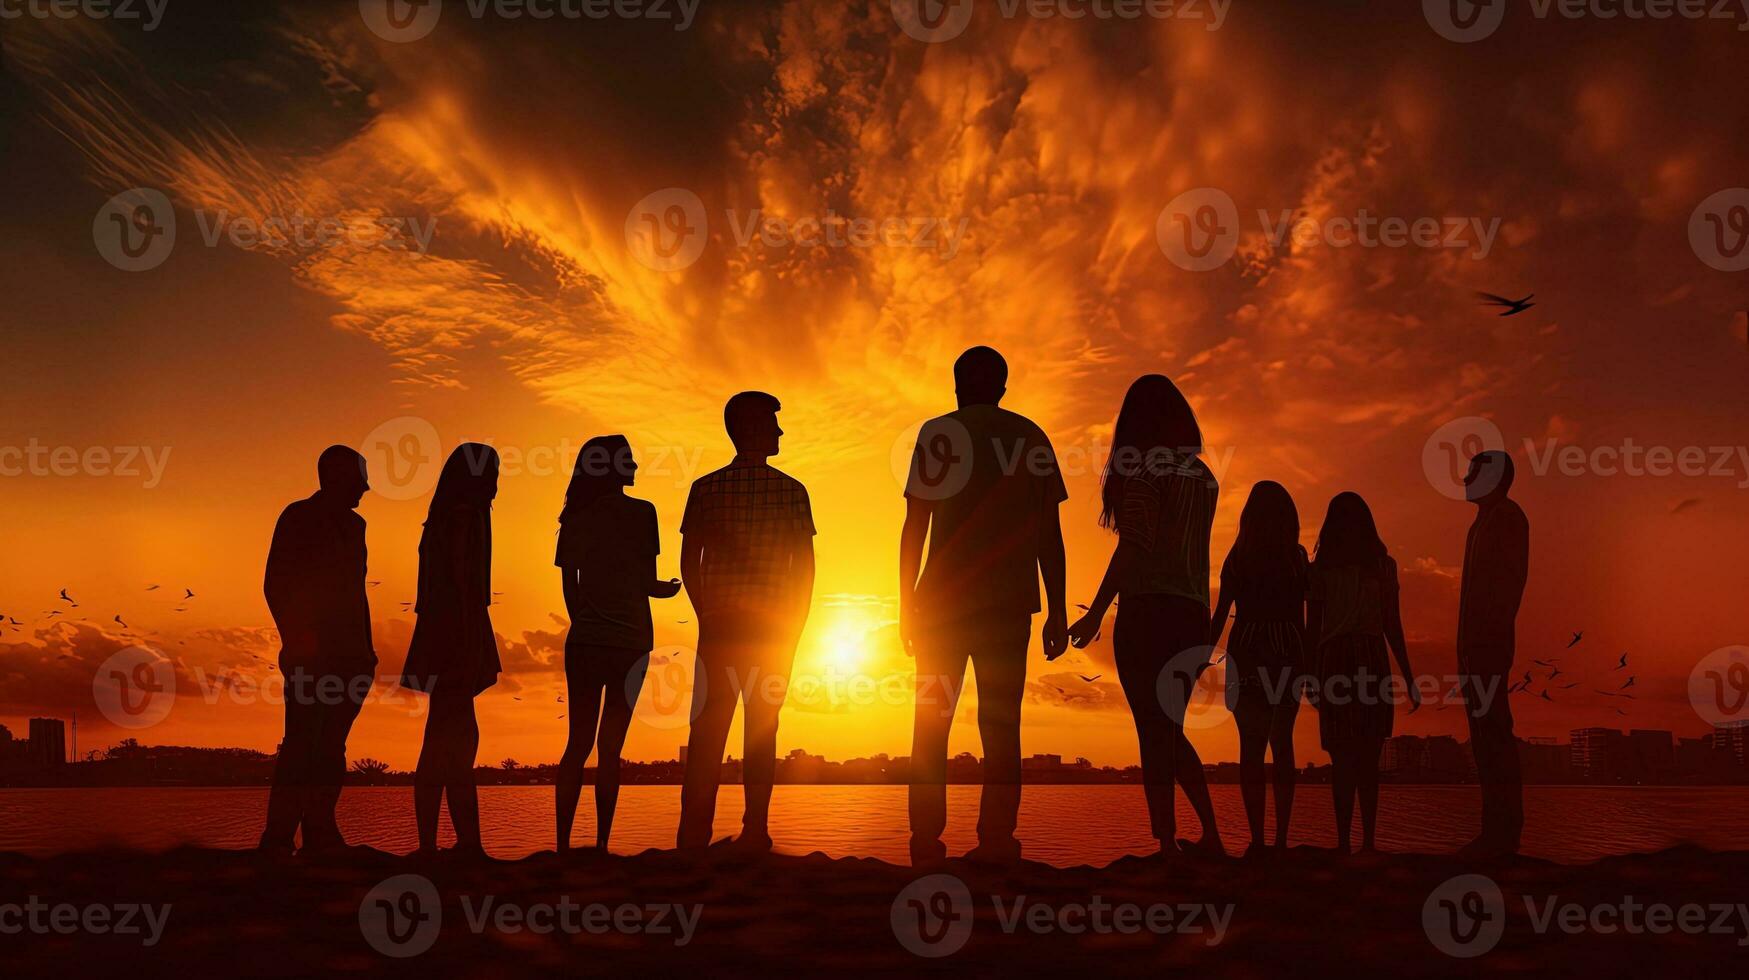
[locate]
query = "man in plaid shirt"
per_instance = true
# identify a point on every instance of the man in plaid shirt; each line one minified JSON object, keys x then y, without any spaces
{"x":747,"y":557}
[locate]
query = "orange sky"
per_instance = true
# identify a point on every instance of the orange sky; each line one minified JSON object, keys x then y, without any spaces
{"x":530,"y":321}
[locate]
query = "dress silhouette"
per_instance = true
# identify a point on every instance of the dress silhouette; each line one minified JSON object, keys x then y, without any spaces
{"x":1496,"y":565}
{"x":316,"y":592}
{"x":747,"y":558}
{"x":607,"y":550}
{"x":1159,"y":497}
{"x":1352,"y":610}
{"x":454,"y":654}
{"x":1265,"y":579}
{"x":983,"y":490}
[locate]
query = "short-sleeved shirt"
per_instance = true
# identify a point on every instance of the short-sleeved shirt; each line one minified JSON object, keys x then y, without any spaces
{"x":1168,"y":511}
{"x":612,"y":542}
{"x":753,"y":519}
{"x":990,"y":479}
{"x":1354,"y":598}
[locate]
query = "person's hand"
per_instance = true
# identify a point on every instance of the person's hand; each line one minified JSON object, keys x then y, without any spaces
{"x":1085,"y":629}
{"x":1056,"y":634}
{"x":666,"y":590}
{"x":907,"y":621}
{"x":1414,"y":695}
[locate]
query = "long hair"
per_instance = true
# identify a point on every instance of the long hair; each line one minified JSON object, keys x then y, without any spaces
{"x":603,"y":465}
{"x":1269,"y":531}
{"x":1155,"y":417}
{"x":1349,"y":537}
{"x":469,"y":479}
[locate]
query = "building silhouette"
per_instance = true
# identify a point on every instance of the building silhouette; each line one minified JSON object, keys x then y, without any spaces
{"x":48,"y":742}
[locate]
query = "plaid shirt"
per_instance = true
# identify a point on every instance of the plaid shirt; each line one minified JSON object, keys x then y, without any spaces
{"x":752,"y":519}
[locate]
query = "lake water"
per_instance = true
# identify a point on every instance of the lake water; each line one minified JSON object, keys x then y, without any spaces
{"x":1062,"y":825}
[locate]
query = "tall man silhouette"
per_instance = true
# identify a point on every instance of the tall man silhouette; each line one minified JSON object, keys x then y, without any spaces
{"x":747,"y":558}
{"x":983,"y":490}
{"x":1496,"y":565}
{"x":316,"y":592}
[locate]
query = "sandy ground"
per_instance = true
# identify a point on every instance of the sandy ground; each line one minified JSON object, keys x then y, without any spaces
{"x":1308,"y":912}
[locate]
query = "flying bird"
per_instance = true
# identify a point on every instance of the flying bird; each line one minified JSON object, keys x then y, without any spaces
{"x":1685,"y":505}
{"x":1544,"y":695}
{"x":1090,"y":679}
{"x":123,"y":625}
{"x":67,"y":597}
{"x":152,"y":588}
{"x":1554,"y":673}
{"x":1513,"y":306}
{"x":1580,"y":635}
{"x":1543,"y":663}
{"x":187,"y":593}
{"x":1629,"y":684}
{"x":683,"y":622}
{"x":374,"y":584}
{"x":1623,"y":662}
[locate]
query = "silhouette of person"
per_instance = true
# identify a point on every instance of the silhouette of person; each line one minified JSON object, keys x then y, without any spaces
{"x":1159,"y":497}
{"x":1496,"y":565}
{"x":983,"y":489}
{"x":747,"y":558}
{"x":1352,"y":611}
{"x":1264,"y":578}
{"x":607,"y":550}
{"x":454,"y":654}
{"x":316,"y":592}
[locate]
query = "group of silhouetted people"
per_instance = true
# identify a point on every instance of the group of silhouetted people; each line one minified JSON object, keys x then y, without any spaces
{"x":982,"y":498}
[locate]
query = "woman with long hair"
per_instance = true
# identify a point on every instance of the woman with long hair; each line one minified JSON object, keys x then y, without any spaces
{"x":607,"y":550}
{"x":1353,"y":615}
{"x":1160,"y":499}
{"x":1264,"y":577}
{"x":454,"y":653}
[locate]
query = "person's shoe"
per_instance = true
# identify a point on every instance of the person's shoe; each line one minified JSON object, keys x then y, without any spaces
{"x":1484,"y":847}
{"x":1258,"y":851}
{"x":928,"y":854}
{"x":1206,"y":847}
{"x":995,"y":853}
{"x":751,"y":844}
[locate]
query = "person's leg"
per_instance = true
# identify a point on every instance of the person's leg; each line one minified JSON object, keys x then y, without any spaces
{"x":616,"y":719}
{"x":1281,"y":747}
{"x":714,"y":693}
{"x":428,"y":775}
{"x":1253,"y":715}
{"x":288,"y":798}
{"x":464,"y":798}
{"x":1366,"y":769}
{"x":941,"y":673}
{"x":1186,"y":629}
{"x":583,"y":690}
{"x":1511,"y":777}
{"x":999,"y":659}
{"x":1342,"y":793}
{"x":1497,"y":765}
{"x":1139,"y":672}
{"x":763,"y":696}
{"x":338,"y":706}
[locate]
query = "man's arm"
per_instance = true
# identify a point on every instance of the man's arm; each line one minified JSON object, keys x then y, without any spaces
{"x":1052,"y":564}
{"x":911,"y":540}
{"x":692,"y":567}
{"x":802,"y":580}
